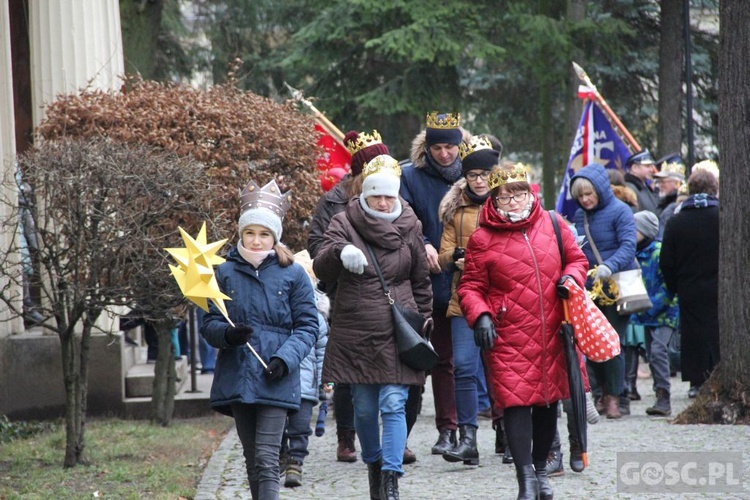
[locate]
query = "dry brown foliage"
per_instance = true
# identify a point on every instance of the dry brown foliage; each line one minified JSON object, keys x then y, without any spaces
{"x":237,"y":135}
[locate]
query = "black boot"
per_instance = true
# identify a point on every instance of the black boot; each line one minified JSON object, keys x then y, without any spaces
{"x":631,"y":373}
{"x":499,"y":438}
{"x":373,"y":476}
{"x":446,"y":441}
{"x":528,"y":484}
{"x":388,"y":485}
{"x":466,"y":451}
{"x":545,"y":489}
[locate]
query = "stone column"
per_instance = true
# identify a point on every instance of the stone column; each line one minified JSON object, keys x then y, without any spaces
{"x":75,"y":44}
{"x":7,"y":156}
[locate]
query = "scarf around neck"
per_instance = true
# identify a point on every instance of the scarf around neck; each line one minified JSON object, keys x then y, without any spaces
{"x":253,"y":258}
{"x":475,"y":198}
{"x":451,"y":173}
{"x":700,"y":200}
{"x":380,"y":215}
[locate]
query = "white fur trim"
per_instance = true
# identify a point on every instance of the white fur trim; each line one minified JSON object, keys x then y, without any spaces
{"x":262,"y":217}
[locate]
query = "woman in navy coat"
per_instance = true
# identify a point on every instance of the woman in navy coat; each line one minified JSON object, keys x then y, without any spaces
{"x":611,"y":225}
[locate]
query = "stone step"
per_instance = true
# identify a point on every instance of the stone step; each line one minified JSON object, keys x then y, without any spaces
{"x":139,"y":379}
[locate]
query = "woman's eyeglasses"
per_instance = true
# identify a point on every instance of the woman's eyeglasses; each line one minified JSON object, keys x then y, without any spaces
{"x":518,"y":198}
{"x":472,"y":176}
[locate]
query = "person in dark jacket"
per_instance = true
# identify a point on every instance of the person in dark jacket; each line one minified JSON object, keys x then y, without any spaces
{"x":609,"y":226}
{"x":363,"y":147}
{"x":509,"y":296}
{"x":640,"y":174}
{"x":669,"y":181}
{"x":433,"y":168}
{"x":690,"y":264}
{"x":361,"y":348}
{"x":273,"y":311}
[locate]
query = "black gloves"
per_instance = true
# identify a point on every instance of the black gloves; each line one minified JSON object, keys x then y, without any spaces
{"x":276,"y":370}
{"x":238,"y":335}
{"x":562,"y":292}
{"x":458,"y":253}
{"x":484,"y":332}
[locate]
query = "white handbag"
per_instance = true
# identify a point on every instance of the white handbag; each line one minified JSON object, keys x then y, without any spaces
{"x":628,"y":291}
{"x":632,"y":296}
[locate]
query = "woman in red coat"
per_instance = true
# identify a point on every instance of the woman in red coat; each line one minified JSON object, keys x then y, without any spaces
{"x":509,"y":296}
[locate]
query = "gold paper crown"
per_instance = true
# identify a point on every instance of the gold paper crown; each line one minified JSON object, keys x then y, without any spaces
{"x":500,"y":177}
{"x":443,"y":120}
{"x":381,"y":163}
{"x":475,"y":144}
{"x":674,"y":168}
{"x":268,"y":196}
{"x":708,"y":165}
{"x":363,"y":141}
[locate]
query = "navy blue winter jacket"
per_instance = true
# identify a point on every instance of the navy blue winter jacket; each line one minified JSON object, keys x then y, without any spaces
{"x":278,"y":303}
{"x":423,"y":189}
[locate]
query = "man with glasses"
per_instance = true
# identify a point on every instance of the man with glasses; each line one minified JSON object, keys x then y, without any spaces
{"x":669,"y":180}
{"x":641,"y":170}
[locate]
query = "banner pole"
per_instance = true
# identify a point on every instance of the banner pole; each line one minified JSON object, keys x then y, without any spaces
{"x":614,"y":120}
{"x":324,"y":122}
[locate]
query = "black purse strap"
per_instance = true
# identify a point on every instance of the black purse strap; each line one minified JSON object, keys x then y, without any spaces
{"x":553,"y":216}
{"x":386,"y":290}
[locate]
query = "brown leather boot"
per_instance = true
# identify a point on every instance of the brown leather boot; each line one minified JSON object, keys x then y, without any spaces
{"x":612,"y":404}
{"x":346,"y":452}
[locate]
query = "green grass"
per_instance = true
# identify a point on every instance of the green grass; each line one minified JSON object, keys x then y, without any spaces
{"x":128,"y":459}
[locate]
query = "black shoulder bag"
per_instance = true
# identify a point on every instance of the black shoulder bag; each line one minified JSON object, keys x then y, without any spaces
{"x":414,"y":351}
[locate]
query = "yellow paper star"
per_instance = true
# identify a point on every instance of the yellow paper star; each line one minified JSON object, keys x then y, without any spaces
{"x":195,"y":273}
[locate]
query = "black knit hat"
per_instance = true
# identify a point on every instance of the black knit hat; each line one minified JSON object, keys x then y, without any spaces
{"x":443,"y":128}
{"x":477,"y":154}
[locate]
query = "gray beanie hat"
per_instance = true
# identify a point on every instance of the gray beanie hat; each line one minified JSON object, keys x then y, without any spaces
{"x":647,"y":224}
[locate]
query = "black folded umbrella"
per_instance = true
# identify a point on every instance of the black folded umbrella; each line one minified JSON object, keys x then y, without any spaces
{"x":575,"y":382}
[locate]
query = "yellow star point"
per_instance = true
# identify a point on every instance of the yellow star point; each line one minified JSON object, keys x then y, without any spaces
{"x":195,"y":273}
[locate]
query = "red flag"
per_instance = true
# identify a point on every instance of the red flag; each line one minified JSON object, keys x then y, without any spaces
{"x":335,"y":161}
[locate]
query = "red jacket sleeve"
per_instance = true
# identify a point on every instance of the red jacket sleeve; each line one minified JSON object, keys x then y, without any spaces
{"x":474,"y":285}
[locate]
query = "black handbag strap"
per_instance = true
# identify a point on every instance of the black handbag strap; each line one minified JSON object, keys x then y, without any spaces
{"x":553,"y":216}
{"x":386,"y":290}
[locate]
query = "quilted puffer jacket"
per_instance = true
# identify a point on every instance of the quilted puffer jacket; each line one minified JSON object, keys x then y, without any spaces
{"x":611,"y":223}
{"x":278,"y":303}
{"x":511,"y":272}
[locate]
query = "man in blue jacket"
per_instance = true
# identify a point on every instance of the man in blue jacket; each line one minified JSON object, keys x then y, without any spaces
{"x":433,"y":167}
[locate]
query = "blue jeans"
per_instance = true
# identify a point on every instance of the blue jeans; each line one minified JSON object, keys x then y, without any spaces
{"x":657,"y":340}
{"x":387,"y":401}
{"x":207,"y":353}
{"x":467,"y":370}
{"x":298,"y":431}
{"x":259,"y":428}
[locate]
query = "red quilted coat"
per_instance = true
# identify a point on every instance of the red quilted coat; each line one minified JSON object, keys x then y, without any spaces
{"x":511,"y":273}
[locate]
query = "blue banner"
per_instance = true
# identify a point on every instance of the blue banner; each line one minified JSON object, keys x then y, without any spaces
{"x":595,"y":142}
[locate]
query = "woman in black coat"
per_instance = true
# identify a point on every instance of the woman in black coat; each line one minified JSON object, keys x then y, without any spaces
{"x":690,"y":264}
